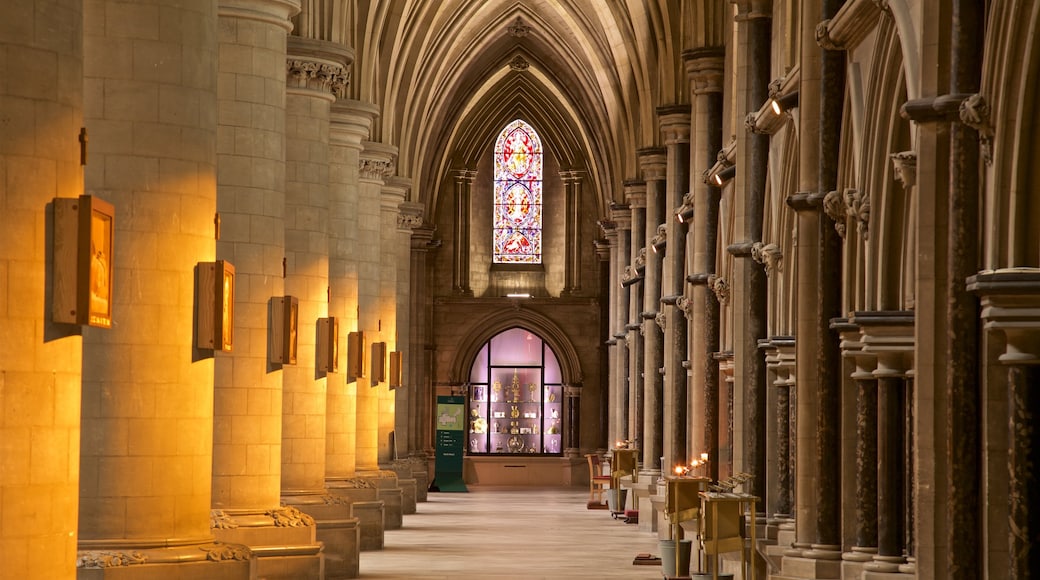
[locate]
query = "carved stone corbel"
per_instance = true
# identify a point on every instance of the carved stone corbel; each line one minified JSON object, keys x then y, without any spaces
{"x":719,"y":285}
{"x":904,"y":165}
{"x":975,"y":112}
{"x":684,"y":306}
{"x":858,"y":205}
{"x":769,"y":255}
{"x":834,"y":207}
{"x":823,"y":36}
{"x":661,"y":320}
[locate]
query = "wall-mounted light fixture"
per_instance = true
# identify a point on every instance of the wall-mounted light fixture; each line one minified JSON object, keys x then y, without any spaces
{"x":215,"y":310}
{"x":722,"y":176}
{"x":783,"y":103}
{"x":282,"y":332}
{"x":685,"y":211}
{"x":396,"y":369}
{"x":355,"y":356}
{"x":328,"y":345}
{"x":84,"y":229}
{"x":378,"y":363}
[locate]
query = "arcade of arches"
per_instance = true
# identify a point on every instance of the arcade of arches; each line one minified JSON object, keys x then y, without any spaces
{"x":245,"y":244}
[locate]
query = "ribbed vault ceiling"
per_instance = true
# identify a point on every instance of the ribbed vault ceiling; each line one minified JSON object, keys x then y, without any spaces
{"x":445,"y":86}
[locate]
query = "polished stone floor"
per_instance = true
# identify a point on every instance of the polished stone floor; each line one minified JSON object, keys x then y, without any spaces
{"x":511,"y":533}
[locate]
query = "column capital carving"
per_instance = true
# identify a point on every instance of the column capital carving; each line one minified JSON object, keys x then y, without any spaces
{"x":410,"y":216}
{"x":685,"y":306}
{"x":603,"y":249}
{"x":661,"y":320}
{"x":857,"y":204}
{"x":318,"y":67}
{"x":377,"y":161}
{"x":704,"y":69}
{"x":621,"y":215}
{"x":572,"y":175}
{"x":464,"y":175}
{"x":609,"y":227}
{"x":720,"y":287}
{"x":975,"y":112}
{"x":888,"y":335}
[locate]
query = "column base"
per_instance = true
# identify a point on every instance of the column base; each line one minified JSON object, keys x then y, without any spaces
{"x":337,"y":528}
{"x":283,"y":540}
{"x":211,"y":560}
{"x":366,"y":507}
{"x":385,"y":482}
{"x":885,"y":564}
{"x":815,"y":568}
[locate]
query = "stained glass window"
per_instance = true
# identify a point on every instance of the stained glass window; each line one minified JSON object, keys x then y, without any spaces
{"x":518,"y":195}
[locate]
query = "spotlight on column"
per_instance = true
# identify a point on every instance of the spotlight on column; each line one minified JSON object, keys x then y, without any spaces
{"x":721,"y":177}
{"x":684,"y":213}
{"x":784,"y":103}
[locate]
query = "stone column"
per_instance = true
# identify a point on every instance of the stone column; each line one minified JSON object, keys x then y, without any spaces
{"x":409,"y":219}
{"x":572,"y":411}
{"x":675,"y":126}
{"x":247,"y":403}
{"x":350,"y":124}
{"x":622,"y":215}
{"x":1010,"y":301}
{"x":421,"y":442}
{"x":394,"y":194}
{"x":635,"y":192}
{"x":607,"y":356}
{"x":866,"y":469}
{"x":42,"y":102}
{"x":749,"y":284}
{"x":653,"y":162}
{"x":572,"y":265}
{"x":785,"y":427}
{"x":963,"y":428}
{"x":460,"y":258}
{"x":318,"y":72}
{"x":704,"y":69}
{"x":377,"y":163}
{"x":144,"y":494}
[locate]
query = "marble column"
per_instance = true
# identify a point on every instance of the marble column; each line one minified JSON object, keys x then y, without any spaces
{"x":749,"y":282}
{"x":42,"y":102}
{"x":460,"y":258}
{"x":145,"y":495}
{"x":572,"y":264}
{"x":318,"y":72}
{"x":622,"y":216}
{"x":964,"y":433}
{"x":635,"y":192}
{"x":675,"y":126}
{"x":704,"y":68}
{"x":866,"y":432}
{"x":785,"y":440}
{"x":1010,"y":300}
{"x":653,"y":162}
{"x":247,"y":403}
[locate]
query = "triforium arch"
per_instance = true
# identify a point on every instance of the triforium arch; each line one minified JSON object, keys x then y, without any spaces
{"x":546,"y":329}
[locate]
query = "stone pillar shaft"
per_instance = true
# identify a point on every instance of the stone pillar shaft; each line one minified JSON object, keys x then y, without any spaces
{"x":460,"y":257}
{"x":1023,"y":459}
{"x":139,"y":485}
{"x":890,"y":466}
{"x":420,"y":442}
{"x":636,"y":192}
{"x":40,"y":379}
{"x":653,"y":163}
{"x":572,"y":264}
{"x":866,"y":460}
{"x":622,"y":215}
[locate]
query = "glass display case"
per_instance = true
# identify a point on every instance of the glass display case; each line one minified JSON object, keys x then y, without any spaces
{"x":515,"y":408}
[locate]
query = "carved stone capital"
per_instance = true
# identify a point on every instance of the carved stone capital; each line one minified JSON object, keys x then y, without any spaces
{"x":823,"y":36}
{"x":322,"y":77}
{"x":834,"y":207}
{"x":661,"y":320}
{"x":975,"y":112}
{"x":375,"y":168}
{"x":685,"y":306}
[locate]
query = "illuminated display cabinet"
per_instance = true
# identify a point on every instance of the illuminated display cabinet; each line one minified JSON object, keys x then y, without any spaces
{"x":515,"y":401}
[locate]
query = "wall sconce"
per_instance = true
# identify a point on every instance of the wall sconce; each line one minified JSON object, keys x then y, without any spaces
{"x":721,"y":177}
{"x":215,"y":310}
{"x":282,"y":331}
{"x":355,"y":356}
{"x":783,"y":103}
{"x":378,"y":363}
{"x":83,"y":249}
{"x":328,"y":345}
{"x":396,"y":369}
{"x":684,"y":213}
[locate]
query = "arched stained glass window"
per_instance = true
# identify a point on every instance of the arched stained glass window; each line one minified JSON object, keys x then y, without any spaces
{"x":518,"y":195}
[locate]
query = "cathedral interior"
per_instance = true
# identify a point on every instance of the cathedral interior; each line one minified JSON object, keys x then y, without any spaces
{"x":248,"y":247}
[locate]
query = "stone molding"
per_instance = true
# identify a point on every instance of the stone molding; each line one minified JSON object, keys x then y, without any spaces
{"x":275,"y":12}
{"x":109,"y":559}
{"x":519,"y":63}
{"x":289,"y":517}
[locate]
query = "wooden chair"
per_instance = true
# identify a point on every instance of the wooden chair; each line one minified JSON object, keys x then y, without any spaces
{"x":598,"y":483}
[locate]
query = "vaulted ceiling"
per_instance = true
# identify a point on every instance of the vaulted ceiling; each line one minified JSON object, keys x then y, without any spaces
{"x":447,"y":75}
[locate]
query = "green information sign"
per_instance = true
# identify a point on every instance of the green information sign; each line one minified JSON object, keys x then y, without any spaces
{"x":451,"y":429}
